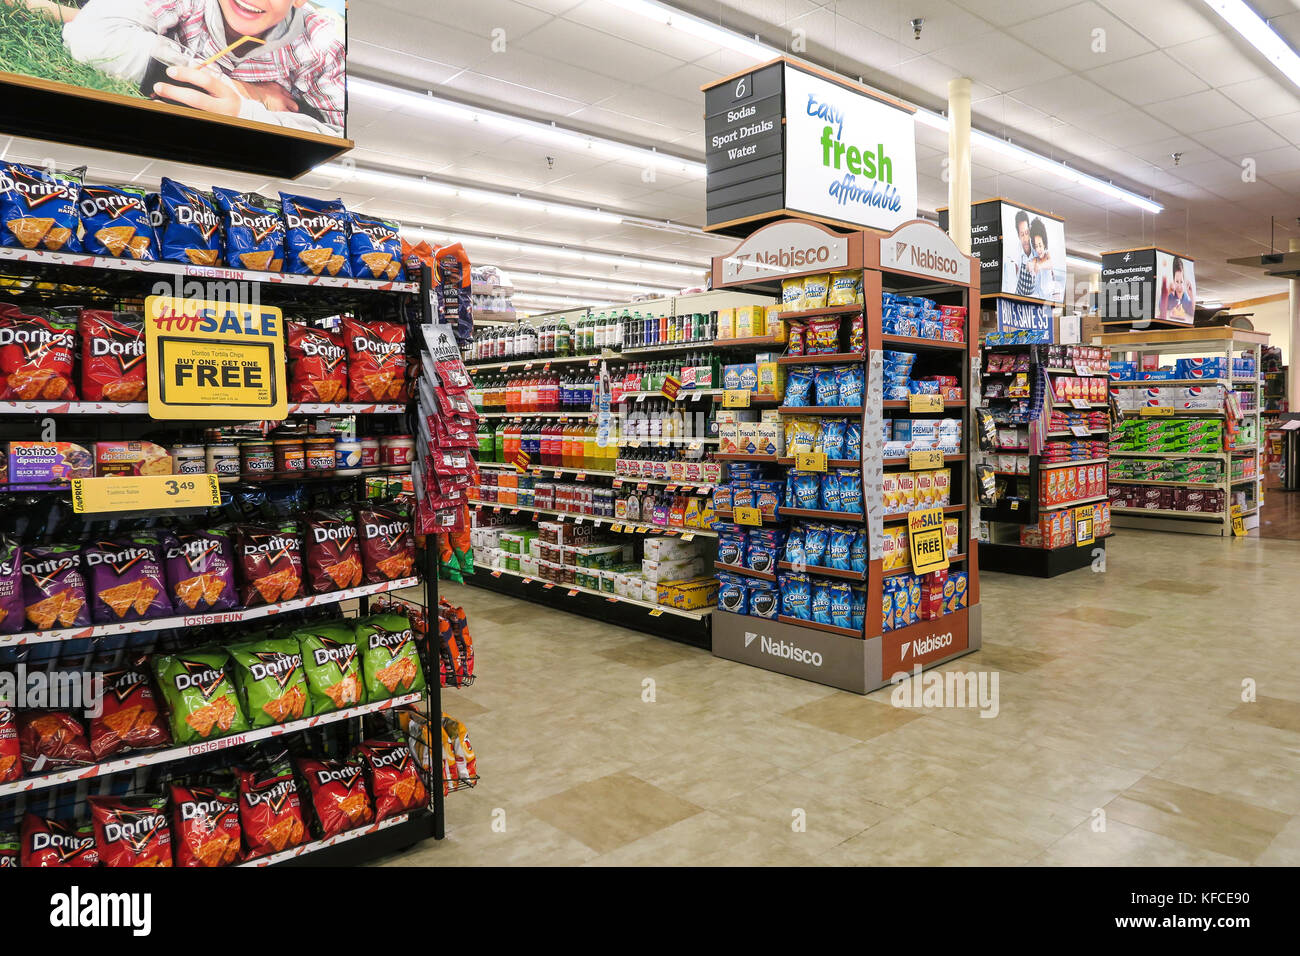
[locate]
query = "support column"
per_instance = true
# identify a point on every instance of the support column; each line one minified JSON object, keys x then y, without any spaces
{"x":1293,"y":345}
{"x":959,"y":162}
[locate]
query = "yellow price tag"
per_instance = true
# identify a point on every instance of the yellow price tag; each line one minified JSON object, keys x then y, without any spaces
{"x":749,"y":516}
{"x":1161,"y":411}
{"x":930,"y":458}
{"x":809,"y":461}
{"x":925,"y":403}
{"x":1238,"y":524}
{"x":1085,"y":526}
{"x":144,"y":493}
{"x":736,"y":398}
{"x":925,"y":533}
{"x":657,"y":612}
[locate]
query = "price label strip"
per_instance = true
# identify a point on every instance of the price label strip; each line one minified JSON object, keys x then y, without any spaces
{"x":921,"y":460}
{"x":810,"y":461}
{"x":735,"y":398}
{"x":925,"y":403}
{"x":144,"y":493}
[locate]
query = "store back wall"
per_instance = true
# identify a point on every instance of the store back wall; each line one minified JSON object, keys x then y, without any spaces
{"x":1273,"y":318}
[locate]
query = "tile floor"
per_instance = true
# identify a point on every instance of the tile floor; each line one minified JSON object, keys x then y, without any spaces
{"x":1121,"y":738}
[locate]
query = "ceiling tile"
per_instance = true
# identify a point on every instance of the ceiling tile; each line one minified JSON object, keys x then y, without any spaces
{"x":1146,"y":79}
{"x":1082,"y":37}
{"x":1241,"y":140}
{"x":1166,"y":23}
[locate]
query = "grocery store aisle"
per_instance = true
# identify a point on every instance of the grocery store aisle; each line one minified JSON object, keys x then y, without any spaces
{"x":1121,"y":735}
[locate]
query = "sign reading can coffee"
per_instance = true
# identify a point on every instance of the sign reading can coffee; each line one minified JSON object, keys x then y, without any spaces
{"x":1147,"y":287}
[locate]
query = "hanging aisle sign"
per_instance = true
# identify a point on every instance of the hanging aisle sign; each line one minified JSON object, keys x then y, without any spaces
{"x":214,"y":361}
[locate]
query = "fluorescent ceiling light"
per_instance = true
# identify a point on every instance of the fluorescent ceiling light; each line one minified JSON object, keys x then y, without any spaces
{"x":697,"y":27}
{"x":618,"y":287}
{"x":433,"y":105}
{"x":1086,"y":265}
{"x":1256,"y":31}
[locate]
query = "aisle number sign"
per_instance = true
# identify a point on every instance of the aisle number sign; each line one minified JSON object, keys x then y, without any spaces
{"x":214,"y":360}
{"x":144,"y":493}
{"x":925,"y":533}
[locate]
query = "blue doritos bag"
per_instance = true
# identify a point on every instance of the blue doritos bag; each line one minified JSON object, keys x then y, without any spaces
{"x":374,"y":248}
{"x":254,"y":230}
{"x":38,"y":209}
{"x":188,"y":225}
{"x":315,"y":236}
{"x":116,"y":222}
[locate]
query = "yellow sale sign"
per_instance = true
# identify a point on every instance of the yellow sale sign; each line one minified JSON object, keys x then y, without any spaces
{"x":925,"y":533}
{"x":214,"y":360}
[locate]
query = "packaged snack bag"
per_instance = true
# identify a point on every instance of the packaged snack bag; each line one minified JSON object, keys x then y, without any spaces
{"x":390,"y":660}
{"x":815,"y":290}
{"x":12,"y":609}
{"x":338,"y":794}
{"x":187,"y":225}
{"x":460,"y":764}
{"x":200,"y":696}
{"x":333,"y":561}
{"x":253,"y":227}
{"x":841,"y":604}
{"x":115,"y":221}
{"x":318,"y":365}
{"x":270,"y":812}
{"x":52,"y":740}
{"x":844,"y":288}
{"x":376,"y":360}
{"x":10,"y":850}
{"x":200,"y":570}
{"x":387,"y":545}
{"x":56,"y":843}
{"x":129,"y":718}
{"x":792,"y":294}
{"x":374,"y":247}
{"x":37,"y":350}
{"x":269,"y":559}
{"x":112,"y":356}
{"x":205,"y":826}
{"x":11,"y":763}
{"x":126,"y":577}
{"x":54,"y":592}
{"x":316,"y":236}
{"x":131,"y":830}
{"x":331,"y":658}
{"x":271,"y":680}
{"x":38,"y":209}
{"x":394,"y":777}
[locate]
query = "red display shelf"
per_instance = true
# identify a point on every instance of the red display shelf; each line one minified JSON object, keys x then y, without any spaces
{"x":813,"y":625}
{"x":821,"y":410}
{"x":850,"y":516}
{"x":827,"y":358}
{"x":747,"y":572}
{"x":824,"y":572}
{"x":910,"y":342}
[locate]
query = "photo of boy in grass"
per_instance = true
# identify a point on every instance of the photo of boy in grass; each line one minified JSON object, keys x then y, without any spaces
{"x":281,"y":62}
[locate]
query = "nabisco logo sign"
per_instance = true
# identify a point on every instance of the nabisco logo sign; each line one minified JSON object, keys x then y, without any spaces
{"x":784,"y":248}
{"x":783,"y":649}
{"x":924,"y":249}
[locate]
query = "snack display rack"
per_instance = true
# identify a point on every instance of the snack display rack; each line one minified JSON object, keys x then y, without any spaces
{"x":917,"y":259}
{"x":1193,"y":488}
{"x":42,"y":279}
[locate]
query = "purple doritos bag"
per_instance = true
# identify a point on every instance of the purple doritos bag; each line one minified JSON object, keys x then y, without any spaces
{"x":12,"y":613}
{"x":126,"y":577}
{"x":54,"y":592}
{"x":200,"y":572}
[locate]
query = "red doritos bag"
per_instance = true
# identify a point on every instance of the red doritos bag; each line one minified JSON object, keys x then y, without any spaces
{"x":270,"y":563}
{"x":54,"y":843}
{"x":131,"y":831}
{"x":318,"y":365}
{"x":37,"y":352}
{"x":376,"y":360}
{"x":387,"y":545}
{"x":338,"y":794}
{"x":129,"y":718}
{"x":394,"y":778}
{"x":11,"y":764}
{"x":332,"y":560}
{"x":270,"y":813}
{"x":205,"y":823}
{"x":112,"y":356}
{"x":52,"y":740}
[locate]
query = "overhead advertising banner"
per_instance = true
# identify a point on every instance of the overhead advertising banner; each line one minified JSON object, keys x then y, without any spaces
{"x":849,"y":156}
{"x":1147,"y":287}
{"x":1021,"y":250}
{"x":1015,"y":316}
{"x":1175,"y":288}
{"x":743,"y":140}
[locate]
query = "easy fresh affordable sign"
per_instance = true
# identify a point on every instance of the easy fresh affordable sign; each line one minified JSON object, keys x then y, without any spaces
{"x":849,"y":156}
{"x":214,"y":360}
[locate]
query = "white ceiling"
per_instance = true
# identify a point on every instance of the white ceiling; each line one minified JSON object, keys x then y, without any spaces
{"x":1172,"y":78}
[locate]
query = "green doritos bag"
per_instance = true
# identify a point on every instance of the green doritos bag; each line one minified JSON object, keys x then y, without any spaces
{"x":8,"y":850}
{"x":200,"y":696}
{"x":389,"y":657}
{"x":271,"y":680}
{"x":332,"y":659}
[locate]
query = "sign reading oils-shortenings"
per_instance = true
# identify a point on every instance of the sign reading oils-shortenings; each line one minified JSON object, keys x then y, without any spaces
{"x":214,"y":360}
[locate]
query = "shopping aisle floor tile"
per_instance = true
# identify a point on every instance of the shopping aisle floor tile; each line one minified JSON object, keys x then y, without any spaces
{"x":612,"y":811}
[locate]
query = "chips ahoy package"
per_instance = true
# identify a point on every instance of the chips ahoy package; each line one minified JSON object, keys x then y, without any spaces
{"x":254,"y":230}
{"x":116,"y":222}
{"x":38,"y":208}
{"x":374,"y":247}
{"x":316,"y":236}
{"x":187,"y":225}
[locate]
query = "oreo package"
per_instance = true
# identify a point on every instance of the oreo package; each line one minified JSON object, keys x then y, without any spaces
{"x":374,"y":247}
{"x":187,"y":225}
{"x":115,"y":221}
{"x":38,"y":208}
{"x":253,"y":227}
{"x":315,"y":237}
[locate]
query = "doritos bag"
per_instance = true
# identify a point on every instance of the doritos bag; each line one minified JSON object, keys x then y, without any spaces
{"x":318,"y":365}
{"x":37,"y":352}
{"x":270,"y":563}
{"x":55,"y":843}
{"x":10,"y":854}
{"x":112,"y":356}
{"x":338,"y":794}
{"x":12,"y":609}
{"x":54,"y":592}
{"x":200,"y":570}
{"x":38,"y":209}
{"x":190,"y":229}
{"x":52,"y":740}
{"x":332,"y":659}
{"x":116,"y":222}
{"x":333,"y":561}
{"x":205,"y":826}
{"x":390,"y":660}
{"x":129,"y":718}
{"x":126,"y":577}
{"x":387,"y":545}
{"x":271,"y":680}
{"x":11,"y":764}
{"x":374,"y":247}
{"x":395,"y":782}
{"x":316,"y":236}
{"x":456,"y":743}
{"x":131,"y":831}
{"x":376,"y":360}
{"x":254,"y":230}
{"x":270,"y":813}
{"x":200,"y":696}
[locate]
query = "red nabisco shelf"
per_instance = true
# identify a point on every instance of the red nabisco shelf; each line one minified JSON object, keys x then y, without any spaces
{"x":202,"y":620}
{"x":824,"y":572}
{"x":830,"y":462}
{"x":820,"y":410}
{"x":948,"y":510}
{"x":813,"y":625}
{"x":772,"y":459}
{"x":729,"y":517}
{"x":901,"y":403}
{"x":802,"y":314}
{"x":826,"y":358}
{"x":169,"y":754}
{"x":887,"y":462}
{"x":851,"y":516}
{"x":747,"y":572}
{"x":911,"y":342}
{"x":954,"y":559}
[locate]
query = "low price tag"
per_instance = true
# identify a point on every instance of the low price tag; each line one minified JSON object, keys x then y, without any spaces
{"x":1085,"y":526}
{"x":735,"y":398}
{"x":1161,"y":411}
{"x":522,"y":461}
{"x":1238,"y":524}
{"x":671,"y":388}
{"x":929,"y":458}
{"x":144,"y":493}
{"x":749,"y":516}
{"x":925,"y":403}
{"x":810,"y":461}
{"x":1079,"y":431}
{"x":1080,"y":403}
{"x":925,"y":534}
